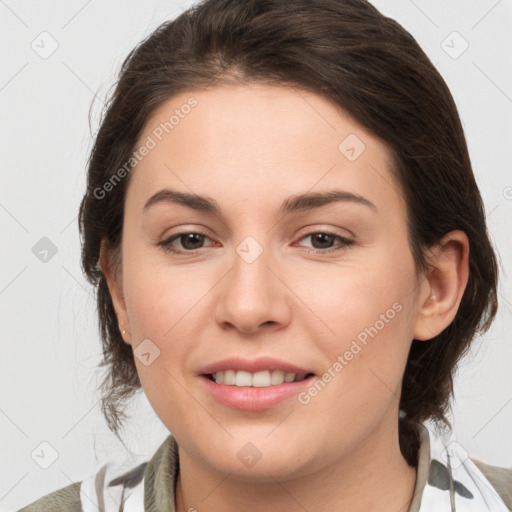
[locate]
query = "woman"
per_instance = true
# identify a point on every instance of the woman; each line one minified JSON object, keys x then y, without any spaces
{"x":291,"y":256}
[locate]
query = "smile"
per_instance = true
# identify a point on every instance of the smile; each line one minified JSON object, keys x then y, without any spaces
{"x":259,"y":379}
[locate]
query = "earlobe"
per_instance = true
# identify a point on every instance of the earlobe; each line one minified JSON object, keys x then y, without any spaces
{"x":444,"y":287}
{"x":125,"y":335}
{"x":114,"y":283}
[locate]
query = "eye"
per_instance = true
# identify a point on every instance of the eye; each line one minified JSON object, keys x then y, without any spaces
{"x":323,"y":241}
{"x":191,"y":242}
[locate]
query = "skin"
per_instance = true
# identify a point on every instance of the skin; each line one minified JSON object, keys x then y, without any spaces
{"x":250,"y":147}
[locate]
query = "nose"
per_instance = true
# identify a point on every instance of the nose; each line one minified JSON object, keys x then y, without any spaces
{"x":253,"y":296}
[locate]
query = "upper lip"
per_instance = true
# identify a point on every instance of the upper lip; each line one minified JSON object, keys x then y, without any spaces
{"x":252,"y":366}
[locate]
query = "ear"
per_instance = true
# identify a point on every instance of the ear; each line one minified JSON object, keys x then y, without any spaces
{"x":113,"y":276}
{"x":442,"y":290}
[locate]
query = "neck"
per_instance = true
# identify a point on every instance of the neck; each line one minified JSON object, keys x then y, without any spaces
{"x":376,"y":477}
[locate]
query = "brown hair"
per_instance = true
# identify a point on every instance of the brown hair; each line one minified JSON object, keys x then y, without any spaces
{"x":370,"y":66}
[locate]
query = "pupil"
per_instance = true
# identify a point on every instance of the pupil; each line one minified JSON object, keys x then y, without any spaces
{"x":186,"y":239}
{"x":322,"y":236}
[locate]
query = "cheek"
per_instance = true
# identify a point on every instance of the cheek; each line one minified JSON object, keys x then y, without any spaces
{"x":350,"y":299}
{"x":166,"y":305}
{"x":160,"y":299}
{"x":367,"y":313}
{"x":161,"y":309}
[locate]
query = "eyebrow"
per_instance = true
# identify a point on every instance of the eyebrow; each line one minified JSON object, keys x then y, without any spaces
{"x":297,"y":203}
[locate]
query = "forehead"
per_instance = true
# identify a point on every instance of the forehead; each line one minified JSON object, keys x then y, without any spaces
{"x":258,"y":144}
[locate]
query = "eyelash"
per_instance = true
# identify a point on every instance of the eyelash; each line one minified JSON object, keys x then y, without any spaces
{"x":166,"y":244}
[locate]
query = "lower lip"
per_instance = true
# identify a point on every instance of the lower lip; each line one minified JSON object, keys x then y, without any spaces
{"x":248,"y":398}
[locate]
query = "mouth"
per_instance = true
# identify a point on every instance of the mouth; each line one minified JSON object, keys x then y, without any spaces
{"x":261,"y":379}
{"x":254,"y":384}
{"x":257,"y":391}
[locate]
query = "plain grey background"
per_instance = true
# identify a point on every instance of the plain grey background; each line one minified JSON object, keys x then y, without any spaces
{"x":56,"y":56}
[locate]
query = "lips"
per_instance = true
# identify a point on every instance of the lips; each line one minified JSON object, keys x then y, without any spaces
{"x":253,"y":396}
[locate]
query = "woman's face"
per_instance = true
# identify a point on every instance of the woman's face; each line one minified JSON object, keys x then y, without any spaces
{"x":268,"y":276}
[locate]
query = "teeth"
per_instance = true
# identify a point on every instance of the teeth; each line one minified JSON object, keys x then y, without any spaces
{"x":289,"y":377}
{"x":243,"y":379}
{"x":261,"y":379}
{"x":276,"y":377}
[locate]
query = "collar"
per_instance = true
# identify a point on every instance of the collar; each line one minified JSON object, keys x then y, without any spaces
{"x":447,"y":480}
{"x":453,"y":483}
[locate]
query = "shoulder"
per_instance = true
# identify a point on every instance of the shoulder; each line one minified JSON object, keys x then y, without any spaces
{"x":500,"y":478}
{"x":445,"y":471}
{"x":66,"y":499}
{"x":117,"y":485}
{"x":108,"y":487}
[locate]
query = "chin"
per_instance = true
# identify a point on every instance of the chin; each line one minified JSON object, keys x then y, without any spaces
{"x":273,"y":468}
{"x":256,"y":462}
